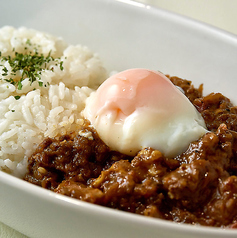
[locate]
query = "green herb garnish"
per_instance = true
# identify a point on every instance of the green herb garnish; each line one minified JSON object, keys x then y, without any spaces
{"x":30,"y":64}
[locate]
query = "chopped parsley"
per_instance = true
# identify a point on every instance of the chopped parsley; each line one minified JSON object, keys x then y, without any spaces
{"x":29,"y":64}
{"x":17,"y":97}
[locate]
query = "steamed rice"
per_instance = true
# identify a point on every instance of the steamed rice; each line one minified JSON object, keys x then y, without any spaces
{"x":46,"y":110}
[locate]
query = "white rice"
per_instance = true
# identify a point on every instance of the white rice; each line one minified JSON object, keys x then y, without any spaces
{"x":42,"y":111}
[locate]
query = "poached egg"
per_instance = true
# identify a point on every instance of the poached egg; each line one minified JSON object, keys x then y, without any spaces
{"x":140,"y":108}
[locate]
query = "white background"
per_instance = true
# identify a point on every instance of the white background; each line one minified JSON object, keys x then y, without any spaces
{"x":218,"y":13}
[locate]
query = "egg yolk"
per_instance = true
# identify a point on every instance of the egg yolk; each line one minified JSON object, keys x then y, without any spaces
{"x":140,"y":108}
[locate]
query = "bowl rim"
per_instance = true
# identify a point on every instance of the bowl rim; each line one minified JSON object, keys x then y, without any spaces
{"x":78,"y":205}
{"x":71,"y":203}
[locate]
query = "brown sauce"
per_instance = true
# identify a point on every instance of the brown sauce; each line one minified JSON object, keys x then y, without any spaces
{"x":196,"y":187}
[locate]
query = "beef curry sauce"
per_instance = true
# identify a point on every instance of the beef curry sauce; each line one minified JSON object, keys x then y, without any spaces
{"x":198,"y":186}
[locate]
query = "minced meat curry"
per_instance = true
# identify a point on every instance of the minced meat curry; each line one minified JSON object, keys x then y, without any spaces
{"x":196,"y":187}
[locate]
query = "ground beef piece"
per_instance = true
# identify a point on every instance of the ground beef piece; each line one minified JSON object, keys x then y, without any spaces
{"x":209,"y":146}
{"x":202,"y":165}
{"x":116,"y":182}
{"x":80,"y":191}
{"x":223,"y":206}
{"x":134,"y":186}
{"x":189,"y":90}
{"x":180,"y":215}
{"x":217,"y":109}
{"x":71,"y":157}
{"x":191,"y":184}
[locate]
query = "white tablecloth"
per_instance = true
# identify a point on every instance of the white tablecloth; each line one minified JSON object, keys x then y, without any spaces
{"x":219,"y":13}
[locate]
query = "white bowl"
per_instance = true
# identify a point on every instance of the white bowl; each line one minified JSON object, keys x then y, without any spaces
{"x":125,"y":34}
